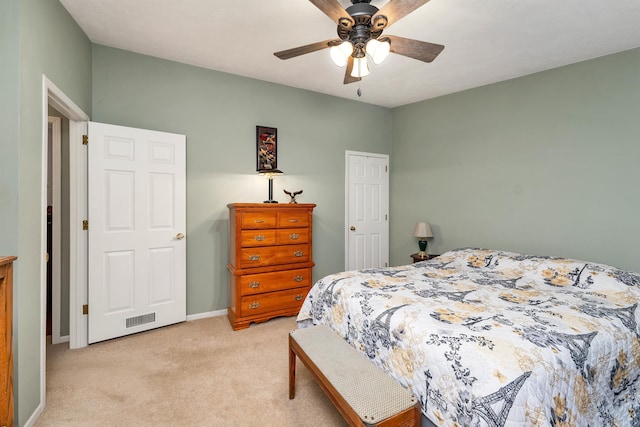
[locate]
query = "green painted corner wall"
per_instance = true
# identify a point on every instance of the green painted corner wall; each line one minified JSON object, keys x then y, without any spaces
{"x":50,"y":44}
{"x":543,"y":164}
{"x":218,"y":113}
{"x":10,"y":124}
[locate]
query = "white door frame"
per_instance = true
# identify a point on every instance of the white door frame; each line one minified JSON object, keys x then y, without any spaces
{"x":56,"y":228}
{"x":52,"y":95}
{"x":348,"y":153}
{"x":77,"y":209}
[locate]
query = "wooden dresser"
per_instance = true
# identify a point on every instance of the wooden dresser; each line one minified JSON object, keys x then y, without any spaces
{"x":270,"y":260}
{"x":6,"y":340}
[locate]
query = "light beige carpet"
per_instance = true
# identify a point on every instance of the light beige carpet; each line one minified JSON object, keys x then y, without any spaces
{"x":198,"y":373}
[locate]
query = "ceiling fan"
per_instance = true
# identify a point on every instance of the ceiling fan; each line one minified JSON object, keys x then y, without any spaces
{"x":360,"y":28}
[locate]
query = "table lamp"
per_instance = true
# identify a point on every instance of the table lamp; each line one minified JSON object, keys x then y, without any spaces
{"x":270,"y":173}
{"x":422,"y":231}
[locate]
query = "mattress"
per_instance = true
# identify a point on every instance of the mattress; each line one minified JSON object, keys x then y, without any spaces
{"x":493,"y":338}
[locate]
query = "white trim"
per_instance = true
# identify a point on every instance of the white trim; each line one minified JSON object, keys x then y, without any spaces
{"x":53,"y":96}
{"x":77,"y":209}
{"x":34,"y":417}
{"x":56,"y":226}
{"x":63,"y":339}
{"x":207,"y":314}
{"x":78,"y":242}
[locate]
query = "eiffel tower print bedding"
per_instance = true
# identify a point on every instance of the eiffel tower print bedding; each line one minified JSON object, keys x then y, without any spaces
{"x":491,"y":338}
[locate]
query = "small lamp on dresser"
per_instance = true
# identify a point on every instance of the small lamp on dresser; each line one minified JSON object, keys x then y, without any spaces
{"x":270,"y":173}
{"x":422,"y":232}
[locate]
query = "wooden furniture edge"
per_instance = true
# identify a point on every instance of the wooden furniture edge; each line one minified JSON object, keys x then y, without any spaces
{"x":6,"y":268}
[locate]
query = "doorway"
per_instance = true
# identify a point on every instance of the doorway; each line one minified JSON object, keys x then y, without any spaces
{"x":55,"y":229}
{"x":53,"y":97}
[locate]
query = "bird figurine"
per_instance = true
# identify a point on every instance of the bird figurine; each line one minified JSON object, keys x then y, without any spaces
{"x":292,"y":195}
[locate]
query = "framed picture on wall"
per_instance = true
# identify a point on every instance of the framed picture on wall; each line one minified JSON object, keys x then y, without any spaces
{"x":266,"y":148}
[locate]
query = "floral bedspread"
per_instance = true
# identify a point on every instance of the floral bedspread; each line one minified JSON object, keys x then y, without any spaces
{"x":491,"y":338}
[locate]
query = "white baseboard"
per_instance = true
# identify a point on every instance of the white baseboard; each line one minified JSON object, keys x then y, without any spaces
{"x":207,"y":314}
{"x":59,"y":340}
{"x":34,"y":417}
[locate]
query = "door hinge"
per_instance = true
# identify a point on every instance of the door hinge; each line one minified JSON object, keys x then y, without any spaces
{"x":85,"y":224}
{"x":386,"y":168}
{"x":85,"y":139}
{"x":85,"y":309}
{"x":385,"y":217}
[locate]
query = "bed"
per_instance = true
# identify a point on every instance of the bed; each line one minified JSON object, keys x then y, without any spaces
{"x":494,"y":338}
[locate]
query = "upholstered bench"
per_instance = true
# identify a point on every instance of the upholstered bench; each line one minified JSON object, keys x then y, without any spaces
{"x":362,"y":393}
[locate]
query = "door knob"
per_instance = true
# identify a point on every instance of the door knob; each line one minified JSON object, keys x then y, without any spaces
{"x":352,"y":228}
{"x":179,"y":236}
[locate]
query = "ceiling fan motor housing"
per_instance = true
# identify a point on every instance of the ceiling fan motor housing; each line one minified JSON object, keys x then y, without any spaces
{"x":359,"y":29}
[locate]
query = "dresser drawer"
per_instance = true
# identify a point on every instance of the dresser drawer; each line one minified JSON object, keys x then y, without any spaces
{"x":273,"y":255}
{"x":293,"y":236}
{"x":293,"y":219}
{"x":253,"y":220}
{"x":251,"y":238}
{"x":273,"y":301}
{"x":268,"y":282}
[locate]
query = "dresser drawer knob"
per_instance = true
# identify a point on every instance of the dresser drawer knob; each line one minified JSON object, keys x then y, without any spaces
{"x":294,"y":220}
{"x":294,"y":236}
{"x":259,"y":238}
{"x":254,"y":305}
{"x":298,"y":253}
{"x":254,"y":285}
{"x":298,"y":297}
{"x":258,"y":221}
{"x":298,"y":278}
{"x":254,"y":258}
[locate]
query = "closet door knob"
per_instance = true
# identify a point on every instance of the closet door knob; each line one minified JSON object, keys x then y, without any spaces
{"x":352,"y":228}
{"x":179,"y":236}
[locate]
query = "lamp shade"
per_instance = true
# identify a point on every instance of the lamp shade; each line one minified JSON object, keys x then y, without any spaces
{"x":360,"y":67}
{"x":378,"y":50}
{"x":422,"y":229}
{"x":340,"y":54}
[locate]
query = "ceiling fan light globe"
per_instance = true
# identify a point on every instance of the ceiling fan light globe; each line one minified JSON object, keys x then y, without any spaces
{"x":360,"y":67}
{"x":378,"y":50}
{"x":340,"y":54}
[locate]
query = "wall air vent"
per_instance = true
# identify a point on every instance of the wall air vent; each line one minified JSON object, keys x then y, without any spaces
{"x":141,"y":320}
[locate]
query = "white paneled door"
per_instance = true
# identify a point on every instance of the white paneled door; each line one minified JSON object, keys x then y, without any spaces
{"x":367,"y":216}
{"x":137,"y":220}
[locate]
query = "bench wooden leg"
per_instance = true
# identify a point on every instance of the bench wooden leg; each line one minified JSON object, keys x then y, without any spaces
{"x":292,"y":371}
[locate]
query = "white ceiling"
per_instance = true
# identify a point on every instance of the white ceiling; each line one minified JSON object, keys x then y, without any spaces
{"x":486,"y":41}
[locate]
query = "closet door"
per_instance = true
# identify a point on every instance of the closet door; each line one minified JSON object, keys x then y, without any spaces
{"x":367,"y":216}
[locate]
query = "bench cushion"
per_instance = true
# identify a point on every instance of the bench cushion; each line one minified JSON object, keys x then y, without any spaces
{"x":372,"y":394}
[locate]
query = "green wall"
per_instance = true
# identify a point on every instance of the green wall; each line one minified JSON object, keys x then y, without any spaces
{"x":544,"y":164}
{"x":218,"y":113}
{"x":50,"y":43}
{"x":10,"y":125}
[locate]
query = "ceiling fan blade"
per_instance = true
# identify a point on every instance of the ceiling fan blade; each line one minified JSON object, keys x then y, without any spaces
{"x":331,"y":8}
{"x":348,"y":78}
{"x":301,"y":50}
{"x":422,"y":51}
{"x":398,"y":9}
